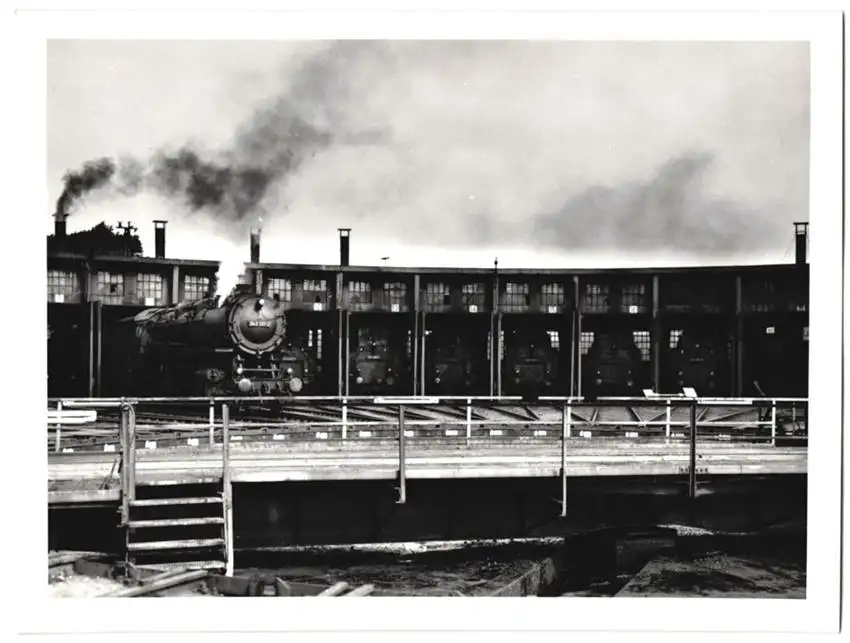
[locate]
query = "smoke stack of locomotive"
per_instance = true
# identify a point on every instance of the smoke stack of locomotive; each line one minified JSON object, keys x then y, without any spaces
{"x":801,"y":233}
{"x":255,"y":246}
{"x":159,"y":238}
{"x":344,"y":234}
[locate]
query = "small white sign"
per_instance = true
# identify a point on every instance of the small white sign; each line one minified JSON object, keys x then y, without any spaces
{"x":633,"y":310}
{"x":631,"y":434}
{"x":586,"y":434}
{"x":150,"y":444}
{"x":318,"y":306}
{"x":149,"y":301}
{"x":408,"y":433}
{"x":451,"y":432}
{"x":364,"y":434}
{"x":67,"y":450}
{"x":235,"y":438}
{"x":540,"y":433}
{"x":770,"y":330}
{"x":322,"y":435}
{"x":278,"y":436}
{"x":192,"y":442}
{"x":553,"y":309}
{"x":59,"y":298}
{"x":395,"y":307}
{"x":109,"y":447}
{"x":473,"y":308}
{"x":495,"y":431}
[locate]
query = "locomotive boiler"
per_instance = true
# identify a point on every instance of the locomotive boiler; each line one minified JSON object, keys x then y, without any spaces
{"x":237,"y":348}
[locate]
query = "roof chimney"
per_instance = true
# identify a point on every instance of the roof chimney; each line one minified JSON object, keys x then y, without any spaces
{"x":801,"y":230}
{"x":344,"y":233}
{"x":59,"y":225}
{"x":159,"y":238}
{"x":255,"y":246}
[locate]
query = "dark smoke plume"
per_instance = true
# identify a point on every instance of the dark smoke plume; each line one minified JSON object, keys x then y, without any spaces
{"x":93,"y":174}
{"x":235,"y":184}
{"x":668,"y":213}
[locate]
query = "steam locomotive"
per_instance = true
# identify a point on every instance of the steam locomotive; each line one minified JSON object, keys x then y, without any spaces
{"x":530,"y":364}
{"x":201,"y":348}
{"x":613,"y":366}
{"x":702,"y":362}
{"x":376,"y":363}
{"x":450,"y":365}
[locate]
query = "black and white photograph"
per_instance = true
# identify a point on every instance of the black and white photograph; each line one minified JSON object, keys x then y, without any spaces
{"x":399,"y":314}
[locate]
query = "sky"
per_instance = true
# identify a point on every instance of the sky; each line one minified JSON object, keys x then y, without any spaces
{"x":439,"y":153}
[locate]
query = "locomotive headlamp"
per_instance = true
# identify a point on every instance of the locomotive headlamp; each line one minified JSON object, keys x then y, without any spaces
{"x":359,"y":379}
{"x":437,"y":380}
{"x":245,"y":385}
{"x":259,"y":305}
{"x":295,"y":384}
{"x":390,"y":381}
{"x":289,"y":371}
{"x":239,"y":370}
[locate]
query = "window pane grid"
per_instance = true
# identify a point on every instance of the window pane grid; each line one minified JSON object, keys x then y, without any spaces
{"x":280,"y":289}
{"x":437,"y":295}
{"x":473,"y":294}
{"x":110,"y":288}
{"x":195,"y":287}
{"x":149,"y":289}
{"x":553,"y":295}
{"x":64,"y":283}
{"x":596,"y":297}
{"x":586,"y":341}
{"x":515,"y":296}
{"x":360,"y":292}
{"x":643,"y":342}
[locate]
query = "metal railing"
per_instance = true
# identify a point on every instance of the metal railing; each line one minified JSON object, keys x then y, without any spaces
{"x":467,"y":417}
{"x":398,"y":425}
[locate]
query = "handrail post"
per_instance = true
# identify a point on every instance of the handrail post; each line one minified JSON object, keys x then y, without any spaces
{"x":125,"y":467}
{"x":565,"y":423}
{"x":344,"y":419}
{"x":212,"y":423}
{"x":57,"y":443}
{"x":131,"y":450}
{"x":773,"y":423}
{"x":228,"y":488}
{"x":402,"y":483}
{"x":468,"y":418}
{"x":667,"y":423}
{"x":569,"y":418}
{"x":692,"y":470}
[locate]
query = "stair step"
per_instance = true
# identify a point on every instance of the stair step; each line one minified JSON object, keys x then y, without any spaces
{"x":162,"y":502}
{"x":176,"y":522}
{"x":176,"y":544}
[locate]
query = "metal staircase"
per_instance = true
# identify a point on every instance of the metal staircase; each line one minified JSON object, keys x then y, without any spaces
{"x":169,"y":527}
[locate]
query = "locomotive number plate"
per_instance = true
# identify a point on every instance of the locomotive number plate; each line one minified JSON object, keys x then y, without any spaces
{"x":259,"y":323}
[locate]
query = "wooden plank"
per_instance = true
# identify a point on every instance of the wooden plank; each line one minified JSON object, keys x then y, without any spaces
{"x":177,"y":522}
{"x":176,"y":544}
{"x":336,"y":589}
{"x":164,"y":583}
{"x":363,"y":590}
